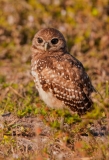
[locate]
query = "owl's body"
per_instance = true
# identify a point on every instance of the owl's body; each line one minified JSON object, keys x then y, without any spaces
{"x":60,"y":78}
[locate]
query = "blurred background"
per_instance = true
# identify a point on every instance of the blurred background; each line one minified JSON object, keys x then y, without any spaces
{"x":85,"y":25}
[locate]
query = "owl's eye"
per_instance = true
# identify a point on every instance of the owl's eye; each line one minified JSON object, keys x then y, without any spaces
{"x":39,"y":40}
{"x":54,"y":41}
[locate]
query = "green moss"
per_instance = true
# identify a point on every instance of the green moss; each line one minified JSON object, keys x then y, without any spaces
{"x":95,"y":12}
{"x":2,"y":79}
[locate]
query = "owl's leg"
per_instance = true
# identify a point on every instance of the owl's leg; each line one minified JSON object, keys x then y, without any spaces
{"x":62,"y":123}
{"x":62,"y":120}
{"x":63,"y":117}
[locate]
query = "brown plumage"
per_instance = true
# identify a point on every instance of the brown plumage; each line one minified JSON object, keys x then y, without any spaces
{"x":60,"y":78}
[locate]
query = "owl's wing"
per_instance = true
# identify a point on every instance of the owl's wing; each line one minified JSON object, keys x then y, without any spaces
{"x":66,"y":78}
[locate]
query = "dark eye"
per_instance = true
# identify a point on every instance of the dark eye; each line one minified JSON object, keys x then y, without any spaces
{"x":40,"y":40}
{"x":54,"y":41}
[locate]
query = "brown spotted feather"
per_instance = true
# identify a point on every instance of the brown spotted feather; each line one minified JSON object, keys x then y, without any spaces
{"x":64,"y":77}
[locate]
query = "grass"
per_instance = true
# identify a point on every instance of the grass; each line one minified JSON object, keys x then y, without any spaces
{"x":28,"y":128}
{"x":24,"y":103}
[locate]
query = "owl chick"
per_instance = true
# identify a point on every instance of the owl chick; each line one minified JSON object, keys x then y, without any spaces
{"x":59,"y":77}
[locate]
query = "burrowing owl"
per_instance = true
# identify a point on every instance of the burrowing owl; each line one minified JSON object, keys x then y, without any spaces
{"x":59,"y":77}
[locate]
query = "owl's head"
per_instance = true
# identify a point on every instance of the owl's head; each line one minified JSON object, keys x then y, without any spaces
{"x":49,"y":39}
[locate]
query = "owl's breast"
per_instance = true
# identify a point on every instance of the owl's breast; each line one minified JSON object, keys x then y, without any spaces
{"x":46,"y":95}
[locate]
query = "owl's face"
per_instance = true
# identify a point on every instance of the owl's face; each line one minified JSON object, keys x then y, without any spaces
{"x":49,"y":39}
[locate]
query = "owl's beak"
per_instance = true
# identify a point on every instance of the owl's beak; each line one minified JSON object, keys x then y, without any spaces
{"x":46,"y":46}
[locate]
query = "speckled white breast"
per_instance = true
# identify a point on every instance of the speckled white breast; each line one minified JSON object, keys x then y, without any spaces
{"x":47,"y":97}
